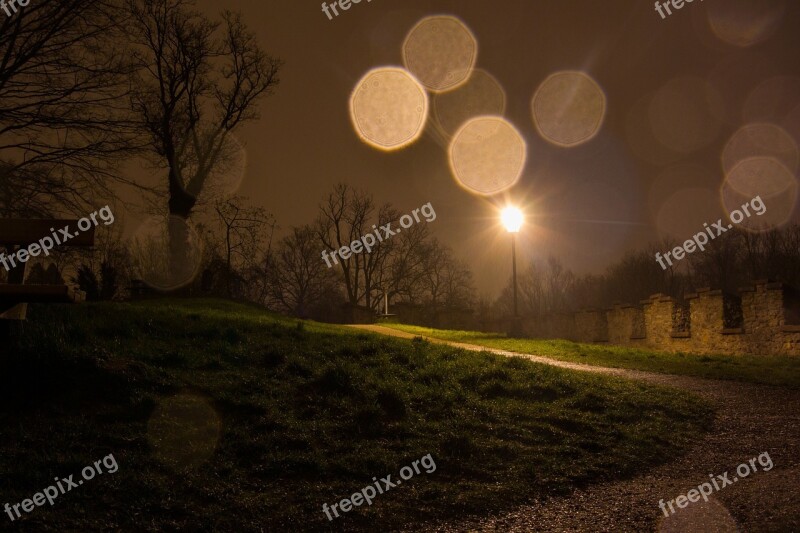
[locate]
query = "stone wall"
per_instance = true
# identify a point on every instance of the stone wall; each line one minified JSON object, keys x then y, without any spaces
{"x":591,"y":326}
{"x":769,"y":323}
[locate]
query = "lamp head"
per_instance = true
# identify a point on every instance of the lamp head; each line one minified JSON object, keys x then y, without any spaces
{"x":512,"y":219}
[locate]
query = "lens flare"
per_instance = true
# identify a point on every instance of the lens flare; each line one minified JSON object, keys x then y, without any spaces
{"x":710,"y":516}
{"x":480,"y":95}
{"x":733,"y":78}
{"x":183,"y":431}
{"x":761,"y":140}
{"x":685,"y":114}
{"x":791,"y":123}
{"x":389,"y":108}
{"x":745,"y":22}
{"x":685,"y":211}
{"x":639,"y":135}
{"x":197,"y":147}
{"x":682,"y":176}
{"x":772,"y":100}
{"x":568,"y":108}
{"x":512,"y":219}
{"x":441,"y":52}
{"x":166,"y":252}
{"x":769,"y":181}
{"x":227,"y":180}
{"x":487,"y":155}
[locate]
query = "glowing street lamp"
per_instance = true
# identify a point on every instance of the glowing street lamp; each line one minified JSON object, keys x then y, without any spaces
{"x":512,"y":219}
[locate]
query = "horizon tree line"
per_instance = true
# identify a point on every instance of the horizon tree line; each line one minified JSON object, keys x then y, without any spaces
{"x":88,"y":86}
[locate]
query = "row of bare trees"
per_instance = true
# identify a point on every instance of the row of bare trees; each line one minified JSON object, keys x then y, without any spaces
{"x":730,"y":261}
{"x":411,"y":265}
{"x":291,"y":276}
{"x":64,"y":114}
{"x":88,"y":85}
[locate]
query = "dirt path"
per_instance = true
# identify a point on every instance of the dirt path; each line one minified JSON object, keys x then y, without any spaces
{"x":751,"y":419}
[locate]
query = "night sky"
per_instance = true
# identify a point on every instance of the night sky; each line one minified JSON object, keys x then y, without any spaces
{"x":586,"y":205}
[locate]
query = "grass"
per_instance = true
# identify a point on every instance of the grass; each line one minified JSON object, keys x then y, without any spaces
{"x":225,"y":417}
{"x":767,"y":369}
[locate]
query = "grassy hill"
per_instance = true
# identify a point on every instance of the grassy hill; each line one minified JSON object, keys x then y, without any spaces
{"x":225,"y":417}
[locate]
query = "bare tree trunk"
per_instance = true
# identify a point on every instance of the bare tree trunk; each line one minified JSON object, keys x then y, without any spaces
{"x":180,"y":208}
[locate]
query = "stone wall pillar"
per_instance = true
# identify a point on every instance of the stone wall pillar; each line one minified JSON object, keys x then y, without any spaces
{"x":706,"y":309}
{"x":762,"y":316}
{"x":658,"y":321}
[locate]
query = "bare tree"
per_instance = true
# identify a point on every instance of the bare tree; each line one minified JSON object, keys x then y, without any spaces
{"x":638,"y":275}
{"x":244,"y":229}
{"x":194,"y":90}
{"x":400,"y":264}
{"x":459,"y":286}
{"x":64,"y":118}
{"x":300,"y":278}
{"x":446,"y":280}
{"x":406,"y":265}
{"x":720,"y":265}
{"x":344,"y":218}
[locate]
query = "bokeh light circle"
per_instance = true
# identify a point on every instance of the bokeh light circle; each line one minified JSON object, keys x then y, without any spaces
{"x":765,"y":178}
{"x":686,"y":114}
{"x":761,"y":140}
{"x":228,"y":175}
{"x":684,"y":212}
{"x":745,"y":22}
{"x":482,"y":94}
{"x":487,"y":155}
{"x":772,"y":100}
{"x":706,"y":516}
{"x":441,"y":52}
{"x":791,"y":123}
{"x":568,"y":108}
{"x":640,"y":138}
{"x":389,"y":108}
{"x":184,"y":431}
{"x":680,"y":176}
{"x":155,"y":263}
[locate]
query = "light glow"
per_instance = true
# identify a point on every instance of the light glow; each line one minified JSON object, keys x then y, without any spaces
{"x":487,"y":155}
{"x":440,"y":51}
{"x":512,"y":219}
{"x":389,"y":108}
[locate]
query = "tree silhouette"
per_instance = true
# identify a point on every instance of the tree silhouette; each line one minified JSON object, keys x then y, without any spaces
{"x":194,"y":87}
{"x":64,"y":117}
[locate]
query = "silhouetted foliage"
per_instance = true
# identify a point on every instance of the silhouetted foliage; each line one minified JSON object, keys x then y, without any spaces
{"x":88,"y":283}
{"x":729,"y":262}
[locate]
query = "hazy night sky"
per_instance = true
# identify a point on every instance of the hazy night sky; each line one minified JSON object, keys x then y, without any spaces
{"x":586,"y":205}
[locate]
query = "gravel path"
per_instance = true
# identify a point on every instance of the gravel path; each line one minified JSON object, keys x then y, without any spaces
{"x":751,"y":419}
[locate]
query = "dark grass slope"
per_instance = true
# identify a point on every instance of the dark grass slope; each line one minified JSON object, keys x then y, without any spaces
{"x":270,"y":418}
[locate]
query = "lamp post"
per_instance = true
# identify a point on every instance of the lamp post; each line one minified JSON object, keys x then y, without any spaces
{"x":512,"y":219}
